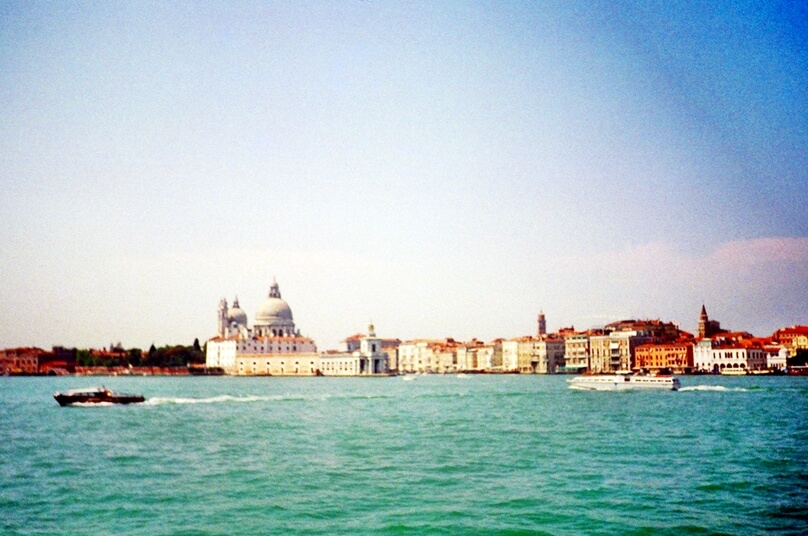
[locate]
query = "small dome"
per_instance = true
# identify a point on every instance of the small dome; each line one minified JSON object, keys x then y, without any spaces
{"x":236,"y":314}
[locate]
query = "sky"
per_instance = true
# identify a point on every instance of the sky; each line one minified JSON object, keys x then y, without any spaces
{"x":444,"y":169}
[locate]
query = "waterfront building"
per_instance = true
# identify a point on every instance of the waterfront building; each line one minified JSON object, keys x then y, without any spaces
{"x":475,"y":356}
{"x":576,"y":351}
{"x":300,"y":364}
{"x":614,"y":351}
{"x":548,"y":355}
{"x":389,"y":346}
{"x":531,"y":355}
{"x":703,"y":356}
{"x":368,"y":359}
{"x":428,"y":356}
{"x":20,"y":361}
{"x":273,"y":346}
{"x":739,"y":355}
{"x":776,"y":356}
{"x":495,"y":362}
{"x":731,"y":352}
{"x":673,"y":356}
{"x":794,"y":338}
{"x":447,"y":360}
{"x":417,"y":356}
{"x":517,"y":354}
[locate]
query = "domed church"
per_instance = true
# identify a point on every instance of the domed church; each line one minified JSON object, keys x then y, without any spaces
{"x":265,"y":347}
{"x":273,"y":347}
{"x":272,"y":319}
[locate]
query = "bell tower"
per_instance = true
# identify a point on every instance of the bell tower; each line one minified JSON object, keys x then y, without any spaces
{"x":703,"y":322}
{"x":222,"y":319}
{"x":542,"y":325}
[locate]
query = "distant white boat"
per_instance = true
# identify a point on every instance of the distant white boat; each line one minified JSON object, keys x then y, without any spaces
{"x":408,"y":378}
{"x":623,"y":382}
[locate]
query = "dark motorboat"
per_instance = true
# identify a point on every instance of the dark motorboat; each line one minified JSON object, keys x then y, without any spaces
{"x":96,"y":395}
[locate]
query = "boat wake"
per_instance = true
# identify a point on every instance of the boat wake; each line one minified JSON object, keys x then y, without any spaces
{"x":226,"y":399}
{"x":159,"y":401}
{"x":714,"y":388}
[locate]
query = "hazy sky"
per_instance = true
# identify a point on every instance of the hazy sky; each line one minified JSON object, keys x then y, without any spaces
{"x":443,"y":169}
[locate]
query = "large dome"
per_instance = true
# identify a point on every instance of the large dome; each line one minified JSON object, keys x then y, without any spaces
{"x":274,"y":311}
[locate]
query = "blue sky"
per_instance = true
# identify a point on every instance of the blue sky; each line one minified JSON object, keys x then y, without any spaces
{"x":444,"y":170}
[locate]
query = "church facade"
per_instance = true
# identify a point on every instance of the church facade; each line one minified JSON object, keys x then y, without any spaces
{"x":274,"y":347}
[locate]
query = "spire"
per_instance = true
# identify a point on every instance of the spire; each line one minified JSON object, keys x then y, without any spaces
{"x":703,"y":323}
{"x":235,"y":303}
{"x":371,"y":330}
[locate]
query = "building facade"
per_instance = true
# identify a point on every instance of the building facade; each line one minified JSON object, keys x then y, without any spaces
{"x":476,"y":356}
{"x":675,"y":356}
{"x":20,"y":361}
{"x":273,"y":346}
{"x":548,"y":355}
{"x":731,"y":355}
{"x":369,"y":358}
{"x":576,"y":352}
{"x":614,"y":351}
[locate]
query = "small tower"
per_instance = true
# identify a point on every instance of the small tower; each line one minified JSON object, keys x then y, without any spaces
{"x":542,"y":325}
{"x":222,"y":318}
{"x":703,"y":322}
{"x":370,"y":345}
{"x":274,"y":290}
{"x":372,"y":359}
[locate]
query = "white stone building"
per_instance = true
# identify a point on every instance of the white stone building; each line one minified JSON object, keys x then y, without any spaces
{"x":731,"y":356}
{"x":514,"y":351}
{"x":475,"y":356}
{"x":368,"y":359}
{"x":271,"y":347}
{"x":274,"y":347}
{"x":417,"y":356}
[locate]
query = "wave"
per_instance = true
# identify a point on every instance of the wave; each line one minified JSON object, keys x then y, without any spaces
{"x":717,"y":388}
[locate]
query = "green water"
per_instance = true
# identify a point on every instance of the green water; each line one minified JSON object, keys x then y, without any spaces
{"x":438,"y":455}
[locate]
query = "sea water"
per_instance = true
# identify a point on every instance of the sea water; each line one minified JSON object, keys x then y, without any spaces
{"x":437,"y":455}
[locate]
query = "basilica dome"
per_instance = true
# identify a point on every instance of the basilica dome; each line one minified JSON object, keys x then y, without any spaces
{"x":274,"y":311}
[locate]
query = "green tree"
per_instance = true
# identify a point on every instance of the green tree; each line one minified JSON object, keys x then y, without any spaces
{"x":85,"y":359}
{"x":135,"y":357}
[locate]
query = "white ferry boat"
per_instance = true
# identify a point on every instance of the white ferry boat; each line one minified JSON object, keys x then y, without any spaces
{"x":622,"y":382}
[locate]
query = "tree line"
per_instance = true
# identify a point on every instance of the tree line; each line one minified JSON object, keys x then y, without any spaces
{"x":165,"y":356}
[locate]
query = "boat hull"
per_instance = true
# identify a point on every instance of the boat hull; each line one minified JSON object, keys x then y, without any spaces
{"x":624,"y":383}
{"x":96,"y":396}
